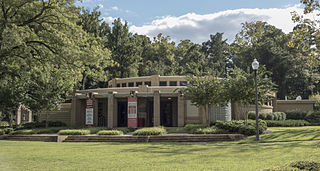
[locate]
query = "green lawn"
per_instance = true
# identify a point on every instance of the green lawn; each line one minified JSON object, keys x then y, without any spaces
{"x":157,"y":156}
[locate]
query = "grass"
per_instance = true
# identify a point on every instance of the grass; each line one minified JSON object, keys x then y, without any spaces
{"x":285,"y":134}
{"x":150,"y":156}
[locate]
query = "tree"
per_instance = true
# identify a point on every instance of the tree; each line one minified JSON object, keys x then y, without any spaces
{"x":190,"y":59}
{"x":205,"y":91}
{"x":41,"y":44}
{"x":217,"y":54}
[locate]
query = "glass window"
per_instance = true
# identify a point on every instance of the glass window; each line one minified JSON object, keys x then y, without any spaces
{"x":131,"y":84}
{"x":162,"y":83}
{"x":124,"y":84}
{"x":148,"y":83}
{"x":138,"y":83}
{"x":183,"y":83}
{"x":118,"y":85}
{"x":173,"y":83}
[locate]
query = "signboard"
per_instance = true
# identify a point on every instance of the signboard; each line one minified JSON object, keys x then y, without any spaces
{"x":132,"y":112}
{"x":89,"y":111}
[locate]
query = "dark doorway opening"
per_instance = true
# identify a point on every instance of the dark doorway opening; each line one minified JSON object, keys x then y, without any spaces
{"x":102,"y":113}
{"x":149,"y":113}
{"x":122,"y":114}
{"x":166,"y":113}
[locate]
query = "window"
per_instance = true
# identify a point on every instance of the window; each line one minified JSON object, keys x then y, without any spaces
{"x":124,"y":84}
{"x":162,"y":83}
{"x":118,"y":85}
{"x":138,"y":83}
{"x":173,"y":83}
{"x":183,"y":83}
{"x":148,"y":83}
{"x":131,"y":84}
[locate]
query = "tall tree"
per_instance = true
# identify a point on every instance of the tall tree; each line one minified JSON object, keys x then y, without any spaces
{"x":41,"y":37}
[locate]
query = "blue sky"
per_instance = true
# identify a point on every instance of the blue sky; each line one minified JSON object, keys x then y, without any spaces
{"x":195,"y":19}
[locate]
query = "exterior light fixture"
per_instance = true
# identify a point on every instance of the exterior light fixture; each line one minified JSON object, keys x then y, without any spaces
{"x":132,"y":93}
{"x":255,"y":66}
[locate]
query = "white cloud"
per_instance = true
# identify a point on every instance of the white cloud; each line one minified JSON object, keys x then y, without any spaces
{"x":198,"y":27}
{"x":115,"y":8}
{"x":100,"y":6}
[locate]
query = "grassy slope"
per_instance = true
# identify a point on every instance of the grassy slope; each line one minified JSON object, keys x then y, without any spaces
{"x":161,"y":156}
{"x":151,"y":156}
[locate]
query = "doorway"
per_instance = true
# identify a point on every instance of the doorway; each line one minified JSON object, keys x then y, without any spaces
{"x":122,"y":114}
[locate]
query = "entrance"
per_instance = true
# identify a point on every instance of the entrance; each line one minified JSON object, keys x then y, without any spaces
{"x":166,"y":113}
{"x":149,"y":113}
{"x":122,"y":113}
{"x":102,"y":112}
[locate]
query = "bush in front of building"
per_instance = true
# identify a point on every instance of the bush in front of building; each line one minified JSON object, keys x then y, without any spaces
{"x":1,"y":131}
{"x":150,"y":131}
{"x":240,"y":127}
{"x":267,"y":116}
{"x":210,"y":130}
{"x":313,"y":117}
{"x":296,"y":115}
{"x":126,"y":130}
{"x":4,"y":124}
{"x":74,"y":132}
{"x":23,"y":132}
{"x":287,"y":123}
{"x":110,"y":132}
{"x":8,"y":130}
{"x":191,"y":128}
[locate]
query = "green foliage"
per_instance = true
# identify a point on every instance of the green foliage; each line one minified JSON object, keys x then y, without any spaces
{"x":210,"y":130}
{"x":7,"y":130}
{"x":314,"y":117}
{"x":1,"y":132}
{"x":23,"y":132}
{"x":306,"y":165}
{"x":296,"y":115}
{"x":32,"y":125}
{"x":267,"y":116}
{"x":4,"y":124}
{"x":126,"y":130}
{"x":191,"y":128}
{"x":238,"y":126}
{"x":287,"y":123}
{"x":150,"y":131}
{"x":110,"y":132}
{"x":316,"y":98}
{"x":74,"y":132}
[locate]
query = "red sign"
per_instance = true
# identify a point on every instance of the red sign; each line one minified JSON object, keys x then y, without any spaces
{"x":132,"y":112}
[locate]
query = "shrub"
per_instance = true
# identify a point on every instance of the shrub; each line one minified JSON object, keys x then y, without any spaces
{"x":150,"y":131}
{"x":4,"y":124}
{"x":47,"y":130}
{"x":316,"y":97}
{"x":74,"y":132}
{"x":1,"y":131}
{"x":238,"y":126}
{"x":56,"y":124}
{"x":314,"y":117}
{"x":287,"y":123}
{"x":210,"y":130}
{"x":110,"y":132}
{"x":193,"y":127}
{"x":306,"y":165}
{"x":8,"y":130}
{"x":296,"y":115}
{"x":126,"y":130}
{"x":270,"y":116}
{"x":262,"y":116}
{"x":23,"y":132}
{"x":252,"y":115}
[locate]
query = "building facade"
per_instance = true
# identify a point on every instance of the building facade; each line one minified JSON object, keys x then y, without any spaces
{"x":158,"y":101}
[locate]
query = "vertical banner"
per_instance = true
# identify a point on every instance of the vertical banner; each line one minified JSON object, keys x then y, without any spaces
{"x":132,"y":112}
{"x":89,"y":111}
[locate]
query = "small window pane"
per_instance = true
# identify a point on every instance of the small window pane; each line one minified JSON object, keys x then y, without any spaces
{"x":163,"y":83}
{"x":148,"y":83}
{"x":138,"y":83}
{"x":118,"y":85}
{"x":130,"y":84}
{"x":124,"y":84}
{"x":173,"y":83}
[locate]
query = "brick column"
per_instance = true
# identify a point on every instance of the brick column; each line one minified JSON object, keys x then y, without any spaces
{"x":156,"y":108}
{"x":73,"y":110}
{"x":180,"y":111}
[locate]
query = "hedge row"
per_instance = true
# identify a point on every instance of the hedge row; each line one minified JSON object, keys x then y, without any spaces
{"x":287,"y":123}
{"x":32,"y":125}
{"x":267,"y":116}
{"x":4,"y":124}
{"x":150,"y":131}
{"x":1,"y":131}
{"x":74,"y":132}
{"x":110,"y":132}
{"x":239,"y":126}
{"x":191,"y":128}
{"x":210,"y":130}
